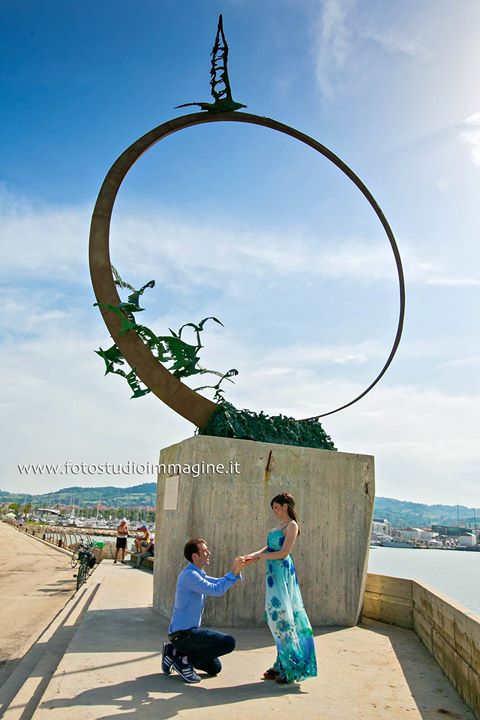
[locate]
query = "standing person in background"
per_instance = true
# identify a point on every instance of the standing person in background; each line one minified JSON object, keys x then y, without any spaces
{"x":284,"y":609}
{"x":121,"y":544}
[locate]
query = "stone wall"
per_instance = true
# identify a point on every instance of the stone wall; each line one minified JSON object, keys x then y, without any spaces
{"x":334,"y":493}
{"x":389,"y":600}
{"x":449,"y":631}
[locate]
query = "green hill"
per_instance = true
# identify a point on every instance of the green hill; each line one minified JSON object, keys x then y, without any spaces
{"x":402,"y":513}
{"x":110,"y":496}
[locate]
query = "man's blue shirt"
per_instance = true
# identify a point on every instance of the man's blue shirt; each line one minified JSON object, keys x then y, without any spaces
{"x":192,"y":587}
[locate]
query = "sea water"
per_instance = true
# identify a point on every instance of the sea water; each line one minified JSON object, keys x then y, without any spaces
{"x":454,"y":573}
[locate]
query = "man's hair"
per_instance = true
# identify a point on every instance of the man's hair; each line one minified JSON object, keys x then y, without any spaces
{"x":192,"y":547}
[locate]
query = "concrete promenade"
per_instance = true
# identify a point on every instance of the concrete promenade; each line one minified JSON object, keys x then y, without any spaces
{"x":35,"y":583}
{"x":109,"y":667}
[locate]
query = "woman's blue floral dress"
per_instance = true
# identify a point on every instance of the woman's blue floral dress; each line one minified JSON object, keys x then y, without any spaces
{"x":286,"y":616}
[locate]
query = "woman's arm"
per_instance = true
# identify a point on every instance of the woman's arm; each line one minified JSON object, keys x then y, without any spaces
{"x":290,"y":537}
{"x":255,"y":555}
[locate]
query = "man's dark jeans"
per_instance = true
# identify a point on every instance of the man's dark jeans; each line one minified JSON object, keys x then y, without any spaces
{"x":142,"y":557}
{"x":203,"y":648}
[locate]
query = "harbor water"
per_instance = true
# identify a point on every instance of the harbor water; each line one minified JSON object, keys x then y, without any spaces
{"x":454,"y":573}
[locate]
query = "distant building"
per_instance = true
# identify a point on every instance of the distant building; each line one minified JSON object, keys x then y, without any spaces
{"x":428,"y":535}
{"x":381,"y":527}
{"x":410,"y":533}
{"x":468,"y":539}
{"x":450,"y":531}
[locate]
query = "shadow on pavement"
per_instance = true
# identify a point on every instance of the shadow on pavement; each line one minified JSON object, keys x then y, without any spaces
{"x":425,"y":679}
{"x":55,"y":645}
{"x":140,"y":696}
{"x":142,"y":629}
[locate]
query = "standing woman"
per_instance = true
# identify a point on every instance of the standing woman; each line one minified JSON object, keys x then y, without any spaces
{"x":285,"y":613}
{"x":121,"y":543}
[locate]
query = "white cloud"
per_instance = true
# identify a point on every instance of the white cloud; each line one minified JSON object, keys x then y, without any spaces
{"x":49,"y":245}
{"x":341,"y":42}
{"x":471,"y":136}
{"x":210,"y":260}
{"x":57,"y":406}
{"x":340,"y":354}
{"x":424,"y":442}
{"x":332,"y":43}
{"x":452,"y":281}
{"x":439,"y":266}
{"x":469,"y":361}
{"x":425,"y":439}
{"x":473,"y":120}
{"x":42,"y":242}
{"x":396,"y":42}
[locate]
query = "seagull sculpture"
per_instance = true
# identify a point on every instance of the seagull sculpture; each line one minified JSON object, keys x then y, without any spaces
{"x":219,"y":82}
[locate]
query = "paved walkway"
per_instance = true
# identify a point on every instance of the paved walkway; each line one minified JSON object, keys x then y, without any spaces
{"x":111,"y":669}
{"x":35,"y":583}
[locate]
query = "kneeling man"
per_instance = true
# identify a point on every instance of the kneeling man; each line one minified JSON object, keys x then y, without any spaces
{"x":190,"y":645}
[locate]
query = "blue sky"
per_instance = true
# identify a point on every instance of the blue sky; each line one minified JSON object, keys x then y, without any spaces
{"x":247,"y":225}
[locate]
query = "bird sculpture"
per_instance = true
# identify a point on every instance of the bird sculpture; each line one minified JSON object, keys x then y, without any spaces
{"x":219,"y":82}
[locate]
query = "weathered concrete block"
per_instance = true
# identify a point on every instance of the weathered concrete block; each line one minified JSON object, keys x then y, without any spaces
{"x":467,"y":638}
{"x":452,"y":665}
{"x":392,"y":611}
{"x":389,"y":600}
{"x":474,"y":689}
{"x":392,"y":586}
{"x":423,"y":628}
{"x":334,"y":493}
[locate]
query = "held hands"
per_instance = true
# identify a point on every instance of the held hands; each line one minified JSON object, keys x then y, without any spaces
{"x":238,"y":564}
{"x":242,"y":560}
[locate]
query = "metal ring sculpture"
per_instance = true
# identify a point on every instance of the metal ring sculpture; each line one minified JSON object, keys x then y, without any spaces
{"x":185,"y":401}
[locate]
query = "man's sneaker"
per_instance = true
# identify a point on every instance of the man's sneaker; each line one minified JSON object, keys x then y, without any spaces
{"x":186,"y":671}
{"x":167,"y":658}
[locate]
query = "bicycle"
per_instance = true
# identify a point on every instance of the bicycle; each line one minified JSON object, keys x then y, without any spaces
{"x":74,"y":558}
{"x":83,"y":544}
{"x":86,"y":561}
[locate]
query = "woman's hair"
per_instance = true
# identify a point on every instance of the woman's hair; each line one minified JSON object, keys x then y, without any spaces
{"x":286,"y":499}
{"x":192,"y":547}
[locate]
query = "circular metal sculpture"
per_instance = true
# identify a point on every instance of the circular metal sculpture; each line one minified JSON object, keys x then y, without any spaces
{"x":171,"y":390}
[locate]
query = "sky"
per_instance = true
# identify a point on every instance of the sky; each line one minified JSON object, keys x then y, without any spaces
{"x":247,"y":225}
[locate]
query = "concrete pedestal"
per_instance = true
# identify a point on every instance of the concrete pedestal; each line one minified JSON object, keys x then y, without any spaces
{"x":334,"y":495}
